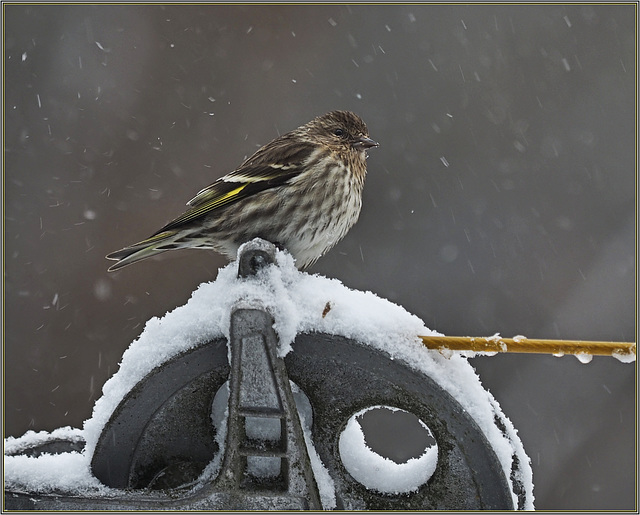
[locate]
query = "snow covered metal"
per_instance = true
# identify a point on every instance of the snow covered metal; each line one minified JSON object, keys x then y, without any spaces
{"x":233,"y":424}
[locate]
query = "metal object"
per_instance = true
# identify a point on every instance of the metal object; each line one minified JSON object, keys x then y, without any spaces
{"x":161,"y":438}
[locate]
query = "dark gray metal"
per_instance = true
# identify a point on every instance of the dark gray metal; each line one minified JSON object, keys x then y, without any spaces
{"x":255,"y":255}
{"x":160,"y":438}
{"x":260,"y":394}
{"x":163,"y":422}
{"x":263,"y":426}
{"x":341,"y":377}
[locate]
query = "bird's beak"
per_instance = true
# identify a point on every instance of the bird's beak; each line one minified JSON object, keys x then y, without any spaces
{"x":363,"y":143}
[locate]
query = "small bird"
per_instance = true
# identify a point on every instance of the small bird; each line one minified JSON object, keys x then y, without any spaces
{"x":302,"y":192}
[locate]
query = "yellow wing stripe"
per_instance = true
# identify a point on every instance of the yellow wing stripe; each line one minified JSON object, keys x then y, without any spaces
{"x":156,"y":237}
{"x":225,"y":198}
{"x":208,"y":206}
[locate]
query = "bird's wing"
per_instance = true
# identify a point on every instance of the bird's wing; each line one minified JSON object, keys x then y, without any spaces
{"x":256,"y":174}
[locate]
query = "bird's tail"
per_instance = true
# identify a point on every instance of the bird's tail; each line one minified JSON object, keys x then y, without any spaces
{"x":146,"y":248}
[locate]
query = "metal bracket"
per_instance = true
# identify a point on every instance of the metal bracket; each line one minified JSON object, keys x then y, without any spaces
{"x":265,"y":450}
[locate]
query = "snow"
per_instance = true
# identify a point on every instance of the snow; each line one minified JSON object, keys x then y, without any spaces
{"x":263,"y":466}
{"x":31,"y":439}
{"x":298,"y":303}
{"x":624,"y":357}
{"x":377,"y":472}
{"x":64,"y":472}
{"x":258,"y":428}
{"x":584,"y":357}
{"x":326,"y":486}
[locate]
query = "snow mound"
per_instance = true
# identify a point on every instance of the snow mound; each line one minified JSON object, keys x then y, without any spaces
{"x":298,"y":302}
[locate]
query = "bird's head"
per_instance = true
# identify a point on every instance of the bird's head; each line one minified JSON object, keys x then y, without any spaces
{"x":341,"y":130}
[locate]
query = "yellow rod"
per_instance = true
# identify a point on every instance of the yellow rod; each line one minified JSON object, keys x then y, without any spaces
{"x":522,"y":344}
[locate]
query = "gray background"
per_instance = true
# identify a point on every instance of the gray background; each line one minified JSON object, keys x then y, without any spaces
{"x":501,"y":199}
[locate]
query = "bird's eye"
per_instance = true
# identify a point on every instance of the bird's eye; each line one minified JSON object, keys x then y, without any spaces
{"x":339,"y":132}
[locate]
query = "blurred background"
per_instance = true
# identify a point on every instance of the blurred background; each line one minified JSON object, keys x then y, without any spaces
{"x":501,"y":199}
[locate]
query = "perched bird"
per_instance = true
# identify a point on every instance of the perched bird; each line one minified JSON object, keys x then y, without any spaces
{"x":302,"y":192}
